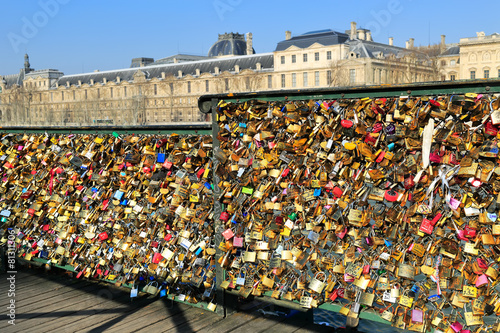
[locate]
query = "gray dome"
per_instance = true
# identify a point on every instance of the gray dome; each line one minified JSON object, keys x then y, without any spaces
{"x":229,"y":44}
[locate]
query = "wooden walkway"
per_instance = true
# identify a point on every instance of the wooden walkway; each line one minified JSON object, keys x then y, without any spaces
{"x":53,"y":303}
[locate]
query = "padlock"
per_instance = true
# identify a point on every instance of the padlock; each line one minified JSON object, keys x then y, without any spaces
{"x":317,"y":285}
{"x":395,"y":292}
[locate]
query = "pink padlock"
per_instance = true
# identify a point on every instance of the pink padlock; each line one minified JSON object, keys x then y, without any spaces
{"x":348,"y":278}
{"x":366,"y":269}
{"x":342,"y":233}
{"x":417,"y":316}
{"x":456,"y":326}
{"x":481,"y":280}
{"x":238,"y":241}
{"x":228,"y":234}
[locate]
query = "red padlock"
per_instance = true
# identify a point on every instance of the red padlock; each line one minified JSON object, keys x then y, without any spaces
{"x":426,"y":226}
{"x":436,"y":219}
{"x":167,"y":165}
{"x":337,"y":192}
{"x":469,"y":232}
{"x":490,"y":129}
{"x":157,"y":257}
{"x":103,"y":236}
{"x":409,"y":183}
{"x":224,"y":216}
{"x":200,"y":173}
{"x":346,"y":123}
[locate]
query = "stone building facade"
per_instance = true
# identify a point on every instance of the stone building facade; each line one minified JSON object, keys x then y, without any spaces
{"x":167,"y":90}
{"x":472,"y":58}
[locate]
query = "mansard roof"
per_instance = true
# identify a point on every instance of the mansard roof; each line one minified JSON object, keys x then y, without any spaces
{"x":187,"y":68}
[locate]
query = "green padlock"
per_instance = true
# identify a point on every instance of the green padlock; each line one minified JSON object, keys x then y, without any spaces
{"x":292,"y":216}
{"x":4,"y":219}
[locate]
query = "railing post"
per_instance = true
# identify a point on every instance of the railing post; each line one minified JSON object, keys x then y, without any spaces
{"x":219,"y":271}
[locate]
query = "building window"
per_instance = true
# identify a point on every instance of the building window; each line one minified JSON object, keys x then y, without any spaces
{"x":74,"y":96}
{"x":171,"y":85}
{"x":294,"y":58}
{"x":51,"y":97}
{"x":305,"y":79}
{"x":62,"y":95}
{"x":316,"y":56}
{"x":352,"y":76}
{"x":125,"y":91}
{"x":316,"y":78}
{"x":282,"y":60}
{"x":98,"y":93}
{"x":472,"y":75}
{"x":189,"y":87}
{"x":328,"y":77}
{"x":453,"y":62}
{"x":294,"y":80}
{"x":269,"y":82}
{"x":40,"y":96}
{"x":85,"y":93}
{"x":328,"y":55}
{"x":486,"y":73}
{"x":304,"y":57}
{"x":283,"y":81}
{"x":111,"y":92}
{"x":443,"y":62}
{"x":452,"y":77}
{"x":207,"y":86}
{"x":155,"y":89}
{"x":247,"y":83}
{"x":226,"y":83}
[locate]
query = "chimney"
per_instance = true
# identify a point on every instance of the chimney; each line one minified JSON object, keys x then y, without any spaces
{"x":179,"y":73}
{"x":361,"y":34}
{"x":288,"y":35}
{"x":249,"y":43}
{"x":412,"y":42}
{"x":236,"y":68}
{"x":369,"y":36}
{"x":407,"y":44}
{"x":443,"y":43}
{"x":391,"y":41}
{"x":353,"y":30}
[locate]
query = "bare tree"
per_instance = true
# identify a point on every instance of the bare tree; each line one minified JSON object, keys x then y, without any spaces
{"x":248,"y":81}
{"x":21,"y":98}
{"x":339,"y":76}
{"x":432,"y":52}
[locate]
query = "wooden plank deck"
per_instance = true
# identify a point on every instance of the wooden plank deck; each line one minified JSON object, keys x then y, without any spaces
{"x":53,"y":303}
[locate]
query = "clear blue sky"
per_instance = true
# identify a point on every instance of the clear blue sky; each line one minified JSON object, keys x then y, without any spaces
{"x":75,"y":35}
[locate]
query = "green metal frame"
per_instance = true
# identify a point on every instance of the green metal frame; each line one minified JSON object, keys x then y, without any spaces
{"x":208,"y":104}
{"x":193,"y":128}
{"x":483,"y":86}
